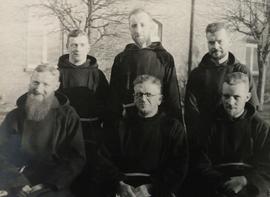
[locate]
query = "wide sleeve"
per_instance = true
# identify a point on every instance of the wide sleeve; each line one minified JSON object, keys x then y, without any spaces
{"x":10,"y":177}
{"x":171,"y":175}
{"x":115,"y":100}
{"x":260,"y":176}
{"x":171,"y":92}
{"x":70,"y":153}
{"x":102,"y":96}
{"x":192,"y":113}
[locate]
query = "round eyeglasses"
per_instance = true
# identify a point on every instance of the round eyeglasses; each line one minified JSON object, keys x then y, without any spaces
{"x":147,"y":94}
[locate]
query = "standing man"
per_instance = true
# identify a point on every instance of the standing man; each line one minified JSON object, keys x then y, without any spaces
{"x":203,"y":90}
{"x":143,"y":57}
{"x":84,"y":84}
{"x":41,"y":140}
{"x":148,"y":148}
{"x":237,"y":151}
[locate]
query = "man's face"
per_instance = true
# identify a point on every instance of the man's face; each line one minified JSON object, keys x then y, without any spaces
{"x":78,"y":48}
{"x":234,"y":98}
{"x":42,"y":85}
{"x":140,"y":25}
{"x":218,"y":44}
{"x":147,"y":98}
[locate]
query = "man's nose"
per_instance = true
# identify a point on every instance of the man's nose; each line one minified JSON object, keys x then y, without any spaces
{"x":230,"y":100}
{"x":144,"y":97}
{"x":216,"y":45}
{"x":139,"y":29}
{"x":40,"y":88}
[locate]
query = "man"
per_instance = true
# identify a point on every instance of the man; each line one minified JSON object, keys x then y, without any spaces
{"x":148,"y":148}
{"x":41,"y":143}
{"x":143,"y":57}
{"x":237,"y":150}
{"x":84,"y":84}
{"x":203,"y":88}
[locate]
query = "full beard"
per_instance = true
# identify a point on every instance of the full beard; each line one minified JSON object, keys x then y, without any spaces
{"x":37,"y":110}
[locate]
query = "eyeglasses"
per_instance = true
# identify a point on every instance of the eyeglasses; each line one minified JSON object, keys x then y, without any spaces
{"x":147,"y":94}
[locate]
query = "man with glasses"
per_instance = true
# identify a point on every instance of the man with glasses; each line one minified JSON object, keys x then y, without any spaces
{"x":148,"y":148}
{"x":143,"y":57}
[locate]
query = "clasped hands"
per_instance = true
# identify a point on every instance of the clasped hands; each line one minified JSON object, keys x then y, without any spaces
{"x":235,"y":184}
{"x":126,"y":190}
{"x":24,"y":191}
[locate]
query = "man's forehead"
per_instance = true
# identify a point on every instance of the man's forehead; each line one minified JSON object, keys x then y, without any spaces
{"x":81,"y":39}
{"x":220,"y":34}
{"x":140,"y":17}
{"x":43,"y":76}
{"x":147,"y":87}
{"x":235,"y":88}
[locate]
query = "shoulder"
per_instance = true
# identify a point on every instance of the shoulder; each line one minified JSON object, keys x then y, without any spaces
{"x":13,"y":115}
{"x":165,"y":56}
{"x":67,"y":114}
{"x":172,"y":126}
{"x":259,"y":123}
{"x":64,"y":110}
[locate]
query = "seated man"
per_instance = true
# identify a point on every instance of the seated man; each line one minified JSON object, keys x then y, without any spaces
{"x":148,"y":148}
{"x":237,"y":152}
{"x":41,"y":143}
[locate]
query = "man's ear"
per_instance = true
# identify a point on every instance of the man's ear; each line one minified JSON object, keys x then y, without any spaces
{"x":248,"y":96}
{"x":160,"y":99}
{"x":57,"y":85}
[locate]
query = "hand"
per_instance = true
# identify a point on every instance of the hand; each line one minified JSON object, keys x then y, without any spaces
{"x":235,"y":184}
{"x":143,"y":191}
{"x":3,"y":193}
{"x":125,"y":190}
{"x":25,"y":191}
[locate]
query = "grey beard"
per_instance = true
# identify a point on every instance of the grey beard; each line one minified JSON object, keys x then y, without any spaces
{"x":37,"y":110}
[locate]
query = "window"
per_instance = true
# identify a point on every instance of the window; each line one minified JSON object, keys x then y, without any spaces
{"x":251,"y":58}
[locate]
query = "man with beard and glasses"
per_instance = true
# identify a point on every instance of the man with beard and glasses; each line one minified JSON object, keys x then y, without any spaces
{"x":236,"y":154}
{"x":148,"y":149}
{"x":143,"y":57}
{"x":203,"y":90}
{"x":41,"y":142}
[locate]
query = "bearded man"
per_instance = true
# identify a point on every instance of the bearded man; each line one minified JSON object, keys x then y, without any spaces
{"x":41,"y":141}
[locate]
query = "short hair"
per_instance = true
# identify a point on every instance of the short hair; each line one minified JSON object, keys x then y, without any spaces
{"x":214,"y":27}
{"x":138,"y":11}
{"x":235,"y":78}
{"x":147,"y":78}
{"x":48,"y":68}
{"x":76,"y":33}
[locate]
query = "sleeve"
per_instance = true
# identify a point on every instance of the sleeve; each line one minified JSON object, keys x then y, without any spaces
{"x":102,"y":96}
{"x":205,"y":177}
{"x":11,"y":178}
{"x":192,"y":113}
{"x":170,"y":177}
{"x":115,"y":99}
{"x":260,"y":176}
{"x":172,"y":97}
{"x":71,"y":153}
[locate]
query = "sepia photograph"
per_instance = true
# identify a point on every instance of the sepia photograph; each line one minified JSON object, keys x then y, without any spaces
{"x":135,"y":98}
